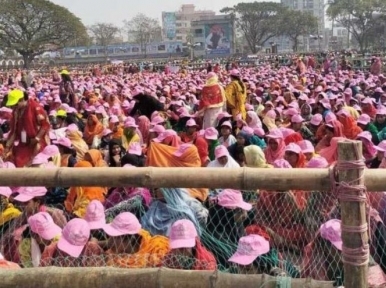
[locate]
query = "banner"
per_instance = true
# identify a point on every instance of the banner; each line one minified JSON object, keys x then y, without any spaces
{"x":217,"y":38}
{"x":169,"y":24}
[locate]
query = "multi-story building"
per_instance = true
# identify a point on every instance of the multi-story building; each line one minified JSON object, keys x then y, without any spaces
{"x":176,"y":26}
{"x":317,"y":8}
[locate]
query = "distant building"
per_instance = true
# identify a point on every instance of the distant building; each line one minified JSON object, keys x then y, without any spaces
{"x":213,"y":36}
{"x":317,"y":8}
{"x":176,"y":26}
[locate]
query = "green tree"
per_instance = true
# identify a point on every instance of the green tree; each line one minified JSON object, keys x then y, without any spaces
{"x":297,"y":23}
{"x":104,"y":33}
{"x":143,"y":30}
{"x":31,"y":27}
{"x":258,"y":21}
{"x":359,"y":17}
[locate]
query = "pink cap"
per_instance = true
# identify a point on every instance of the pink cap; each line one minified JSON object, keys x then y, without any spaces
{"x":343,"y":112}
{"x":161,"y":137}
{"x":381,"y":111}
{"x":75,"y":235}
{"x":130,"y":123}
{"x":106,"y":132}
{"x":331,"y":231}
{"x":297,"y":119}
{"x":290,"y":112}
{"x":157,"y":129}
{"x":135,"y":149}
{"x":221,"y":151}
{"x":91,"y":109}
{"x":292,"y":147}
{"x":181,"y":150}
{"x":367,"y":100}
{"x":124,"y":224}
{"x":7,"y":165}
{"x":319,"y":89}
{"x":275,"y":134}
{"x":282,"y":163}
{"x":5,"y":191}
{"x":316,"y":119}
{"x":259,"y":132}
{"x":50,"y":151}
{"x":191,"y":123}
{"x":65,"y":142}
{"x":227,"y":124}
{"x":365,"y":135}
{"x":317,"y":162}
{"x":364,"y":119}
{"x":222,"y":115}
{"x":72,"y":128}
{"x":306,"y":146}
{"x":211,"y":133}
{"x":232,"y":199}
{"x":114,"y":119}
{"x":182,"y":234}
{"x":248,"y":130}
{"x":95,"y":215}
{"x":42,"y":224}
{"x":157,"y":120}
{"x":28,"y":193}
{"x":381,"y":146}
{"x":330,"y":117}
{"x":378,"y":90}
{"x":211,"y":75}
{"x":249,"y":248}
{"x":235,"y":73}
{"x":40,"y":159}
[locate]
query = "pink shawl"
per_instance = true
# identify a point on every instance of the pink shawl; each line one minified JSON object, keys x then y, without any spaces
{"x":271,"y":155}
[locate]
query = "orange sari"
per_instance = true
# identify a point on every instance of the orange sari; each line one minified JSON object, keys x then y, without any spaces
{"x":151,"y":252}
{"x":78,"y":198}
{"x":90,"y":131}
{"x":350,"y":127}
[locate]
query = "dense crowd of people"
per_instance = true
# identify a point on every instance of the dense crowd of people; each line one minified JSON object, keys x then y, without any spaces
{"x":226,"y":117}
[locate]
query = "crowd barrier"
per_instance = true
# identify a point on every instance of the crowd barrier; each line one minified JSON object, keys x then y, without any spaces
{"x":349,"y":179}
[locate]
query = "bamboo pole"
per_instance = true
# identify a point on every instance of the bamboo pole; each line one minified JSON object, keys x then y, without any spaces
{"x":245,"y":178}
{"x":353,"y":213}
{"x":137,"y":278}
{"x":241,"y":178}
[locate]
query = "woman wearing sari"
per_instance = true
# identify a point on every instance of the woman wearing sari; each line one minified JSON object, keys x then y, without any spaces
{"x":236,"y":95}
{"x":294,"y":156}
{"x":276,"y":146}
{"x":139,"y":250}
{"x":29,"y":128}
{"x":269,"y":120}
{"x":79,"y":197}
{"x":94,"y":129}
{"x":223,"y":159}
{"x":350,"y":127}
{"x":130,"y":133}
{"x":255,"y":158}
{"x":212,"y":100}
{"x":144,"y":127}
{"x":330,"y":153}
{"x":77,"y":141}
{"x":115,"y":128}
{"x":333,"y":129}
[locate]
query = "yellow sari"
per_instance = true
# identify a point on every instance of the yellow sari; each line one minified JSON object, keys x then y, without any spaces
{"x":236,"y":99}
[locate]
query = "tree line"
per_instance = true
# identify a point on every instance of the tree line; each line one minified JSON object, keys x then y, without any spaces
{"x":259,"y":22}
{"x":32,"y":27}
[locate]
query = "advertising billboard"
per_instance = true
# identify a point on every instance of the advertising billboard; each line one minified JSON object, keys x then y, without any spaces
{"x":169,"y":25}
{"x":218,"y":38}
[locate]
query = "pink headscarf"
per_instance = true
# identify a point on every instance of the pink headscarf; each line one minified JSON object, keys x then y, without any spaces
{"x":143,"y":127}
{"x":271,"y":155}
{"x":330,"y":153}
{"x":256,"y":122}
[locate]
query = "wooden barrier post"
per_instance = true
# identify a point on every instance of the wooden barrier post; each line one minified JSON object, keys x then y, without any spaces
{"x":353,"y":213}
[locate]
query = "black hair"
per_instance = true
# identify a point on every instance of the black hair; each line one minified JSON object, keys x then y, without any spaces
{"x":241,"y":83}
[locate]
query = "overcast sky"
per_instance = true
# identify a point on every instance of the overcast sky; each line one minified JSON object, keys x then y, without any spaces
{"x":115,"y":11}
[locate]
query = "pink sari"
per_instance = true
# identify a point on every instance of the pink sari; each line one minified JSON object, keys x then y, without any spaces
{"x":271,"y":155}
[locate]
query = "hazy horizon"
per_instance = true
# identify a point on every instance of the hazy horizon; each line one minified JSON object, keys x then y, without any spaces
{"x":115,"y":11}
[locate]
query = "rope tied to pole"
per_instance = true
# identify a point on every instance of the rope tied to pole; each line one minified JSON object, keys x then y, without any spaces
{"x":351,"y":192}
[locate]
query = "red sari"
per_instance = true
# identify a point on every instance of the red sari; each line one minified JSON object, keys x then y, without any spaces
{"x":32,"y":120}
